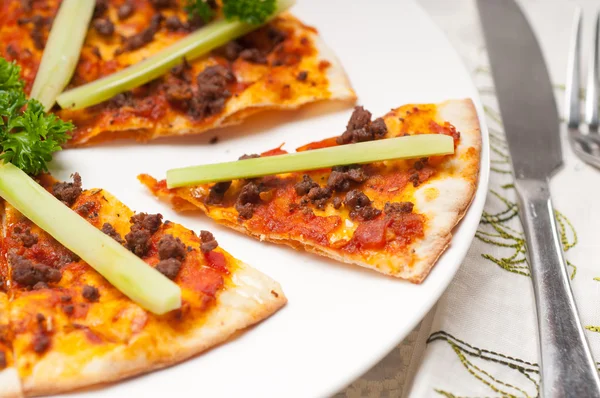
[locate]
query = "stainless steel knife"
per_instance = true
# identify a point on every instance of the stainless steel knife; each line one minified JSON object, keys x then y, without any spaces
{"x":531,"y":124}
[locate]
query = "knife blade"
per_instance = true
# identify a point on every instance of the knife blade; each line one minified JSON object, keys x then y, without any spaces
{"x":524,"y":92}
{"x":530,"y":119}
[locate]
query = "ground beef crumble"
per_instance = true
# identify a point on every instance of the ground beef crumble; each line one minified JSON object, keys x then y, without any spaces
{"x":361,"y":129}
{"x":360,"y":206}
{"x":112,"y":232}
{"x":304,"y":186}
{"x":337,"y":202}
{"x":212,"y":91}
{"x":39,"y":286}
{"x":319,"y":196}
{"x":171,"y":252}
{"x":10,"y":50}
{"x":248,"y":198}
{"x":139,"y":40}
{"x":25,"y":236}
{"x":366,"y":213}
{"x":179,"y":70}
{"x":100,"y":8}
{"x":120,"y":100}
{"x":142,"y":228}
{"x":104,"y":26}
{"x":86,"y":208}
{"x":230,"y":51}
{"x":138,"y":241}
{"x":342,"y":177}
{"x":398,"y":208}
{"x":68,"y":309}
{"x":171,"y":247}
{"x":340,"y":180}
{"x":251,"y":156}
{"x":28,"y":273}
{"x":169,"y":267}
{"x":68,"y":192}
{"x":275,"y":35}
{"x":302,"y":75}
{"x":90,"y":293}
{"x":217,"y":192}
{"x":178,"y":92}
{"x":67,"y":258}
{"x":126,"y":10}
{"x":151,"y":222}
{"x":356,"y":199}
{"x":208,"y":241}
{"x":420,"y":164}
{"x":253,"y":47}
{"x":96,"y":51}
{"x":41,"y":342}
{"x":245,"y":211}
{"x":253,"y":55}
{"x":415,"y":179}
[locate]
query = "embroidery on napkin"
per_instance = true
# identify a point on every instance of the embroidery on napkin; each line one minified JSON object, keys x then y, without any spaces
{"x":494,"y":225}
{"x":527,"y":372}
{"x":501,"y":229}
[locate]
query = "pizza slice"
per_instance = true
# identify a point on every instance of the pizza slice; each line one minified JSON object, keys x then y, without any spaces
{"x":71,"y":328}
{"x":395,"y":217}
{"x":282,"y":65}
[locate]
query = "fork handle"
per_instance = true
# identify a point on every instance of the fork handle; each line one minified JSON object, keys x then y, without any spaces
{"x":567,"y":366}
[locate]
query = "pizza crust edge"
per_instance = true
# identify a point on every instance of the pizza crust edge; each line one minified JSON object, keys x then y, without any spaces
{"x":10,"y":384}
{"x":463,"y":115}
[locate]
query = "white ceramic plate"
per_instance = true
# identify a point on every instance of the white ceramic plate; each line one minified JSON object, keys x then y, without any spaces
{"x":340,"y":320}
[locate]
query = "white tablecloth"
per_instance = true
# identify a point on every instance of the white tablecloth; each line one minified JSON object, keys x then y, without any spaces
{"x":480,"y":340}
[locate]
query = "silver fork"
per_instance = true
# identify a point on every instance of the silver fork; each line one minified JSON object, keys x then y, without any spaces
{"x":585,"y":144}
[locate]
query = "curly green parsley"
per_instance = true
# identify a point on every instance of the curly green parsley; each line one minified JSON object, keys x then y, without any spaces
{"x":253,"y":12}
{"x":28,"y":135}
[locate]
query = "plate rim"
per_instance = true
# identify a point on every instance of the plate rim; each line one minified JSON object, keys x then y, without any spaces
{"x":476,"y":207}
{"x":442,"y":276}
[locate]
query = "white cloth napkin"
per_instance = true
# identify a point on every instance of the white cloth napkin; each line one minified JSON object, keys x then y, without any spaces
{"x":481,"y":338}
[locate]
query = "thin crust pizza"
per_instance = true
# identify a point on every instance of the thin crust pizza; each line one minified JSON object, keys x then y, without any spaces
{"x":282,"y":65}
{"x":395,"y":217}
{"x":63,"y":326}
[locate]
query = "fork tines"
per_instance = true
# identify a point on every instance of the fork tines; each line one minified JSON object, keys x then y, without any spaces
{"x":585,"y":145}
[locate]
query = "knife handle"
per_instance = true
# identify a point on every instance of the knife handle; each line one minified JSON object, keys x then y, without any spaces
{"x":566,"y":363}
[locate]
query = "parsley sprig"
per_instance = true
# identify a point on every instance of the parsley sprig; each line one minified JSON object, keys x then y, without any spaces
{"x":199,"y":8}
{"x":254,"y":12}
{"x":28,"y":135}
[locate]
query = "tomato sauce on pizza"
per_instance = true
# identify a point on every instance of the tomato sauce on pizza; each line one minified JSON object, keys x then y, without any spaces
{"x":383,"y":215}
